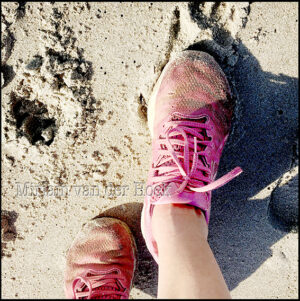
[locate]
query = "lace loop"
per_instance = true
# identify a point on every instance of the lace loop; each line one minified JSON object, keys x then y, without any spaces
{"x":84,"y":287}
{"x":188,"y":176}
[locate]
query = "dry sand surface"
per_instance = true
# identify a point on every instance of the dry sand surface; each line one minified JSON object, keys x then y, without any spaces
{"x":76,"y":79}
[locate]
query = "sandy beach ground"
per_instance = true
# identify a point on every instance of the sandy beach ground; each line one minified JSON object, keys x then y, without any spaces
{"x":76,"y":79}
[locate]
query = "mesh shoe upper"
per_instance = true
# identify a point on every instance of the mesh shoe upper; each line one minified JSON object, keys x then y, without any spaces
{"x":101,"y":261}
{"x":190,"y":115}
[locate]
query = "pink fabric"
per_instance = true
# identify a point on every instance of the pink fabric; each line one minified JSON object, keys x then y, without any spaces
{"x":100,"y":285}
{"x":101,"y":261}
{"x":193,"y":111}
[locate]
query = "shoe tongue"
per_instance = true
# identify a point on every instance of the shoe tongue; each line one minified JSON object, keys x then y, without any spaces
{"x":97,"y":295}
{"x":179,"y":148}
{"x":164,"y":193}
{"x":171,"y":189}
{"x":97,"y":292}
{"x":180,"y":137}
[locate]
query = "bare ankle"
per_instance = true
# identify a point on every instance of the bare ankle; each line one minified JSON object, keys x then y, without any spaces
{"x":172,"y":221}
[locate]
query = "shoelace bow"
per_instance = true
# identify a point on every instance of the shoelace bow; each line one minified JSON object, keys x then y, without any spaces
{"x":192,"y":177}
{"x":93,"y":282}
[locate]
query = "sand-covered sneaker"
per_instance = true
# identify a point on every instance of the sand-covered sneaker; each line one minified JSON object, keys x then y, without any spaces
{"x":189,"y":117}
{"x":101,"y":261}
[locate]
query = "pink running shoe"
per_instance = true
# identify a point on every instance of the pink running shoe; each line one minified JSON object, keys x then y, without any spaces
{"x":101,"y":261}
{"x":189,"y":117}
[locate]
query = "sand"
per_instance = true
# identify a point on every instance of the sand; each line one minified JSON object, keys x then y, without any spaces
{"x":76,"y":80}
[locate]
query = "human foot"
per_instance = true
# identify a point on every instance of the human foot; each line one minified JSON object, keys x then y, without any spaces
{"x":189,"y":117}
{"x":101,"y":261}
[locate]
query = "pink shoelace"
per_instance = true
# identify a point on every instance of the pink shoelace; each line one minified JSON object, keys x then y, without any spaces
{"x":100,"y":286}
{"x":196,"y":176}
